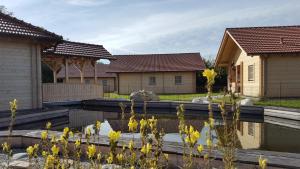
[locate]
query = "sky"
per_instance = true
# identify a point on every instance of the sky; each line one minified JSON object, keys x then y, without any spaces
{"x":153,"y":26}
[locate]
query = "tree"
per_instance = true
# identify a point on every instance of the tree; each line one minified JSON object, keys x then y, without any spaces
{"x":4,"y":10}
{"x":47,"y":75}
{"x":220,"y":80}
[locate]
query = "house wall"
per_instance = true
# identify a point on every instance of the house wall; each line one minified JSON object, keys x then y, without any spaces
{"x":249,"y":88}
{"x":20,"y":74}
{"x":165,"y":82}
{"x":282,"y":78}
{"x":88,"y":80}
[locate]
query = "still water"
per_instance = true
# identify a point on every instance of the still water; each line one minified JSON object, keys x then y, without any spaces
{"x":273,"y":135}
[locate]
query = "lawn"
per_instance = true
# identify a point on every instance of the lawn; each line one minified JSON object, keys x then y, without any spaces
{"x":170,"y":97}
{"x":289,"y":103}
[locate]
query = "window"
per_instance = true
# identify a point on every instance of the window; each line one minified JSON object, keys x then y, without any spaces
{"x":104,"y":82}
{"x":152,"y":81}
{"x":251,"y":73}
{"x":178,"y":80}
{"x":250,"y":129}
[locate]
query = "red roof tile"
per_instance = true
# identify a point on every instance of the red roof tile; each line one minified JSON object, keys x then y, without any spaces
{"x":157,"y":63}
{"x":11,"y":26}
{"x":102,"y":71}
{"x":258,"y":40}
{"x":68,"y":48}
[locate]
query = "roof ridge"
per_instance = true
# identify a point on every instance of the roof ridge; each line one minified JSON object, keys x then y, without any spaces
{"x":37,"y":28}
{"x":81,"y":43}
{"x":257,"y":27}
{"x":153,"y":54}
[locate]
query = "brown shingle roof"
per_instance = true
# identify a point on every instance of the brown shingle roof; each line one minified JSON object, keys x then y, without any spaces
{"x":102,"y":71}
{"x":157,"y":63}
{"x":11,"y":26}
{"x":68,"y":48}
{"x":258,"y":40}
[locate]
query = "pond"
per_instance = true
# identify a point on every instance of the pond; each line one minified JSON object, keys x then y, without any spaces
{"x":252,"y":135}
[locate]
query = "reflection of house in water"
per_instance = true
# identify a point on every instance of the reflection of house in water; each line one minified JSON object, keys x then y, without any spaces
{"x":269,"y":137}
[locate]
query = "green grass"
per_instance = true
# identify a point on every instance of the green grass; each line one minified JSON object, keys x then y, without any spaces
{"x":169,"y":97}
{"x":289,"y":103}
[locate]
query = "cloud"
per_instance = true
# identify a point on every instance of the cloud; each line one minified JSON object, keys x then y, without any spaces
{"x":159,"y":26}
{"x":88,"y":2}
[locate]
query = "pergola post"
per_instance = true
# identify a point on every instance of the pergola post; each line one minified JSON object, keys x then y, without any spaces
{"x":94,"y":64}
{"x":80,"y":64}
{"x":55,"y":65}
{"x":67,"y":70}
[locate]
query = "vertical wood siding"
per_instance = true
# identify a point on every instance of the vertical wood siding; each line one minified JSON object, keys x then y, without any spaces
{"x":71,"y":92}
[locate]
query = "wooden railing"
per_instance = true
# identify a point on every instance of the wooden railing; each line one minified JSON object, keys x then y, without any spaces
{"x":71,"y":92}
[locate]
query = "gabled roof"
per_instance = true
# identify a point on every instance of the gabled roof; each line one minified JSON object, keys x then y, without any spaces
{"x":13,"y":27}
{"x":73,"y":49}
{"x":262,"y":40}
{"x":102,"y":71}
{"x":157,"y":63}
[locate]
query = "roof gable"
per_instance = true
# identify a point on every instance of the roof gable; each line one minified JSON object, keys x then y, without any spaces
{"x":68,"y":48}
{"x":157,"y":63}
{"x":11,"y":26}
{"x":259,"y":40}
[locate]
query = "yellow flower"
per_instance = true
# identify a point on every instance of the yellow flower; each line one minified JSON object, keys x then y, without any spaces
{"x":114,"y":136}
{"x":200,"y":148}
{"x":91,"y":151}
{"x":53,"y":139}
{"x":131,"y":145}
{"x":132,"y":124}
{"x":77,"y":143}
{"x":98,"y":125}
{"x":110,"y":158}
{"x":55,"y":150}
{"x":146,"y":148}
{"x":143,"y":124}
{"x":48,"y":125}
{"x":50,"y":161}
{"x":13,"y":107}
{"x":206,"y":124}
{"x":120,"y":157}
{"x":166,"y":156}
{"x":208,"y":142}
{"x":152,"y":122}
{"x":210,"y":75}
{"x":88,"y":132}
{"x":262,"y":162}
{"x":71,"y":134}
{"x":66,"y":131}
{"x":30,"y":151}
{"x":6,"y":147}
{"x":132,"y":167}
{"x":192,"y":135}
{"x":44,"y":154}
{"x":44,"y":135}
{"x":99,"y":156}
{"x":211,"y":122}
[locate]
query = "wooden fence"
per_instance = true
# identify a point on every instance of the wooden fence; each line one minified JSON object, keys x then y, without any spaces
{"x":71,"y":92}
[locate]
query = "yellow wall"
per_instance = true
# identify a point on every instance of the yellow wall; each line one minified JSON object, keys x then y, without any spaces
{"x":283,"y":77}
{"x":165,"y":82}
{"x":250,"y":88}
{"x":250,"y":141}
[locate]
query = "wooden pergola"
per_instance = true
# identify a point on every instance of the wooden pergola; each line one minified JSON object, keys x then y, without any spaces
{"x":73,"y":53}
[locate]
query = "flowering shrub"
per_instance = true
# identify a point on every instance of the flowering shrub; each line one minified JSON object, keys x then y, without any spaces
{"x":60,"y":153}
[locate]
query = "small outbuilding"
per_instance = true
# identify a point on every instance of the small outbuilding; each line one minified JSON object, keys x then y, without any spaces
{"x":160,"y":73}
{"x":262,"y":61}
{"x":21,"y":46}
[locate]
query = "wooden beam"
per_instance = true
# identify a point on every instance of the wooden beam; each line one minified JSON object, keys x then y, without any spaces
{"x":54,"y":64}
{"x":94,"y":64}
{"x":67,"y":70}
{"x":80,"y":64}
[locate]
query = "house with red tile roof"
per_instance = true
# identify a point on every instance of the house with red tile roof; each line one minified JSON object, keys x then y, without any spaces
{"x":160,"y":73}
{"x":262,"y":61}
{"x":104,"y":77}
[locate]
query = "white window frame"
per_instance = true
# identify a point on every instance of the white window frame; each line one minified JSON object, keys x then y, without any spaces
{"x":251,"y":72}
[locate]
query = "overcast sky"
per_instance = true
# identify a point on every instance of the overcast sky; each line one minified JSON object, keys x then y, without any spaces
{"x":153,"y":26}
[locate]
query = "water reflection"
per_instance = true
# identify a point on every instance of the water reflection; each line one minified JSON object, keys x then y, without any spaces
{"x":251,"y":135}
